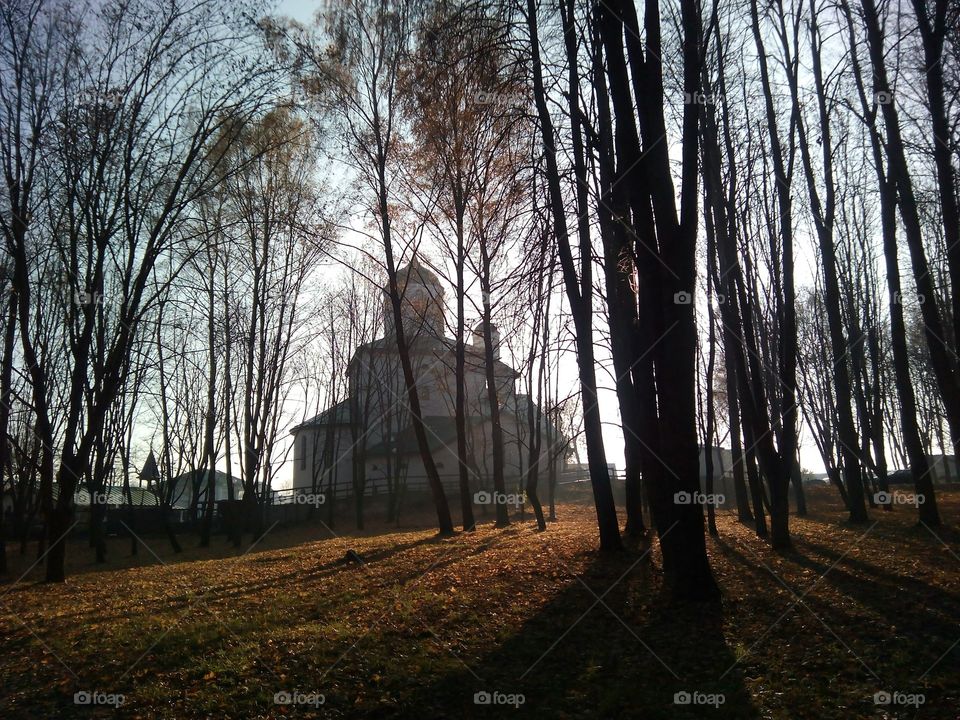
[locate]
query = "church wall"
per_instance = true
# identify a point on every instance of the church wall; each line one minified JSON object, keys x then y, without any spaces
{"x":311,"y":441}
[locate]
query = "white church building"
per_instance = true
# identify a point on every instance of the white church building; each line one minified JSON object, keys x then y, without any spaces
{"x":366,"y":443}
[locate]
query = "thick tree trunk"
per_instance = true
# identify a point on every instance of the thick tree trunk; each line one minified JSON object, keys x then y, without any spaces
{"x":58,"y":524}
{"x":613,"y":211}
{"x":680,"y":526}
{"x":60,"y":516}
{"x":756,"y":485}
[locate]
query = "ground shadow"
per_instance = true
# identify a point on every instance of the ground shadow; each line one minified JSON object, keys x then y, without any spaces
{"x":887,"y":648}
{"x":630,"y":656}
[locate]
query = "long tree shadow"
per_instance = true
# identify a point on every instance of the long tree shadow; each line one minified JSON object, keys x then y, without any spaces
{"x":610,"y":651}
{"x":935,"y":610}
{"x":893,"y":648}
{"x":806,"y":549}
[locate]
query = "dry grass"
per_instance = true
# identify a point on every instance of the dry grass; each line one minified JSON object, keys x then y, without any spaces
{"x":427,"y":623}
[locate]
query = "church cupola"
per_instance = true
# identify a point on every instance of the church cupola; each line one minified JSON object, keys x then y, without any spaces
{"x":421,"y":302}
{"x":478,"y":343}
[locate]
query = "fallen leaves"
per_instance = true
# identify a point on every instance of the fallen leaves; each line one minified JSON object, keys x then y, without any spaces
{"x":422,"y":619}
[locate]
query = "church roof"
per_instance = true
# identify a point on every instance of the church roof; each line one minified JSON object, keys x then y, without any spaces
{"x":478,"y":328}
{"x":339,"y":414}
{"x":441,"y":433}
{"x":150,"y":471}
{"x":417,"y":274}
{"x":426,"y":343}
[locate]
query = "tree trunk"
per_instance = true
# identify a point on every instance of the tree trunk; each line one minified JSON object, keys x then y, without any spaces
{"x":613,"y":212}
{"x":777,"y":469}
{"x":823,"y":218}
{"x":496,"y":428}
{"x":444,"y":520}
{"x":579,"y":295}
{"x":460,"y":408}
{"x":941,"y":354}
{"x":680,"y":526}
{"x":209,"y":449}
{"x":887,"y":185}
{"x":933,"y":34}
{"x":6,"y":384}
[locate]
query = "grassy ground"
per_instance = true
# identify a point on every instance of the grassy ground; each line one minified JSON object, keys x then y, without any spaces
{"x":426,"y":624}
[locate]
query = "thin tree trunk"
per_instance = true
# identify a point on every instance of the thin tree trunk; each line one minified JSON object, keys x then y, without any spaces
{"x":460,"y":408}
{"x":887,"y":185}
{"x":579,"y":295}
{"x":941,"y":357}
{"x":823,"y":217}
{"x":6,"y":383}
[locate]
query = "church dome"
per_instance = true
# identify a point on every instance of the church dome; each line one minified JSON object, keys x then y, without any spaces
{"x":416,"y":274}
{"x":478,"y":329}
{"x":478,"y":340}
{"x":421,"y":304}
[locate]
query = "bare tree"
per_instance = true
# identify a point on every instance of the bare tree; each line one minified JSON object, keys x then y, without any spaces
{"x":355,"y":69}
{"x":128,"y":130}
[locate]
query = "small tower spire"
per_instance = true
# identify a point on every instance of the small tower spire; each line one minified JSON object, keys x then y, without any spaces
{"x":150,"y":472}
